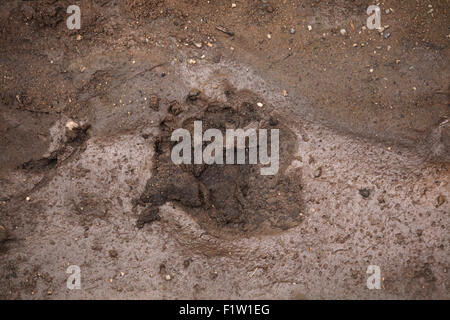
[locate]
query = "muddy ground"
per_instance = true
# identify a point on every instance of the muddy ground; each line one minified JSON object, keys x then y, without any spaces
{"x":364,"y":149}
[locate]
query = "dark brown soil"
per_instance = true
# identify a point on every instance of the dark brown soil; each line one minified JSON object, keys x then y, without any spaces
{"x":227,"y":196}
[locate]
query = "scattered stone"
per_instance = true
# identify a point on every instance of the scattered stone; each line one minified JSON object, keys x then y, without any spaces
{"x":365,"y":193}
{"x":269,"y":8}
{"x":440,"y":200}
{"x":352,"y":25}
{"x":318,"y":172}
{"x":233,"y":5}
{"x":305,"y":137}
{"x":28,"y":12}
{"x":343,"y":32}
{"x":292,"y":31}
{"x":97,"y":247}
{"x":168,"y":277}
{"x":3,"y":234}
{"x":153,"y":102}
{"x":79,"y":37}
{"x":77,"y":133}
{"x":387,"y":35}
{"x":273,"y":121}
{"x":175,"y":108}
{"x":269,"y":36}
{"x":309,"y":28}
{"x":194,"y":94}
{"x":71,"y":125}
{"x":225,"y":30}
{"x":285,"y":93}
{"x":192,"y":61}
{"x":187,"y":262}
{"x":198,"y":44}
{"x":259,"y":104}
{"x":216,"y":57}
{"x":113,"y":253}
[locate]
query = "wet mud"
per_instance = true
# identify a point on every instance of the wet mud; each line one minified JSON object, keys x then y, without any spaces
{"x":87,"y":179}
{"x":226,"y":196}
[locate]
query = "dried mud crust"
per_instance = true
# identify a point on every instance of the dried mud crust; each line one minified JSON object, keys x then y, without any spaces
{"x":224,"y":197}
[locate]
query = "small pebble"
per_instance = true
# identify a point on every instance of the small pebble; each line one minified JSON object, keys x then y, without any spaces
{"x":387,"y":35}
{"x":194,"y":94}
{"x":440,"y":200}
{"x":318,"y":172}
{"x":365,"y":193}
{"x":292,"y":31}
{"x":3,"y":234}
{"x":343,"y":32}
{"x":71,"y":125}
{"x":113,"y":253}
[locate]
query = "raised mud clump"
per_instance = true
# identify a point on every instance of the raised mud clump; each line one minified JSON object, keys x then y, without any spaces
{"x":225,"y":197}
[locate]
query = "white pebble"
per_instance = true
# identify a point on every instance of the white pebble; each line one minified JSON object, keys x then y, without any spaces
{"x":71,"y":125}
